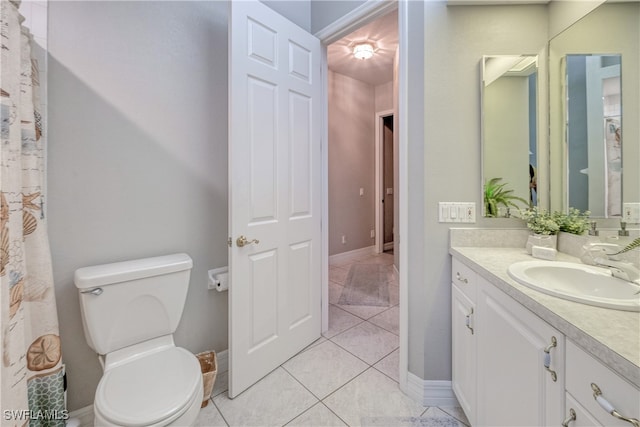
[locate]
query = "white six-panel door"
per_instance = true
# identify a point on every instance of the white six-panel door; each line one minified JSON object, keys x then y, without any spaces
{"x":275,"y":191}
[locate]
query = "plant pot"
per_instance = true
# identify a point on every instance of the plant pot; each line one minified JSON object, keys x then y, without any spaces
{"x":543,"y":240}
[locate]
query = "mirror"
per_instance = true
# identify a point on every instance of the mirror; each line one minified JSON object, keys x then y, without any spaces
{"x":594,"y":133}
{"x":509,"y":133}
{"x":594,"y":105}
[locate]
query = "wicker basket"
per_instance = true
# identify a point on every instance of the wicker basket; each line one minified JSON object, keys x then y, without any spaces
{"x":209,"y":367}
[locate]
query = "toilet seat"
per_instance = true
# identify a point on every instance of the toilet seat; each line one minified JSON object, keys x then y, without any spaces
{"x":152,"y":390}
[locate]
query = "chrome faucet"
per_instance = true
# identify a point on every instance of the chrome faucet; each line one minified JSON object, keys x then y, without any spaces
{"x":604,"y":254}
{"x":621,"y":270}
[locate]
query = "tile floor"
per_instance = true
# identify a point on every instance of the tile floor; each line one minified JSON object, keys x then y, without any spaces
{"x":349,"y":377}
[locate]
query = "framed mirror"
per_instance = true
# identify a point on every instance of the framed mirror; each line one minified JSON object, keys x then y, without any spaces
{"x":509,"y":133}
{"x":594,"y":104}
{"x":593,"y":111}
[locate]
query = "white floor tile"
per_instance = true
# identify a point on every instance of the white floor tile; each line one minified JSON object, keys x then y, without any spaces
{"x":318,"y":416}
{"x":368,"y":342}
{"x":324,"y":368}
{"x":273,"y":401}
{"x":456,"y":412}
{"x":390,"y":366}
{"x":388,"y":320}
{"x":340,"y":321}
{"x":371,"y":395}
{"x":366,"y":311}
{"x":209,"y":416}
{"x":338,"y":274}
{"x":222,"y":383}
{"x":335,"y":290}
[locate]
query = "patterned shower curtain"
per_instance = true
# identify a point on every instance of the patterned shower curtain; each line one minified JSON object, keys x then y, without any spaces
{"x":30,"y":370}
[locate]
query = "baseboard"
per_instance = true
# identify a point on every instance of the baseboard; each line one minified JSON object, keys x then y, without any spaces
{"x":388,"y":246}
{"x":223,"y":360}
{"x":430,"y":393}
{"x":348,"y":256}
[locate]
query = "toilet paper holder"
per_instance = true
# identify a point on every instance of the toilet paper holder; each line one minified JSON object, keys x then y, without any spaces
{"x":218,"y":279}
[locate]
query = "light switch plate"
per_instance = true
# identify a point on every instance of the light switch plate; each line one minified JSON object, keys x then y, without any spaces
{"x":631,"y":213}
{"x":457,"y":212}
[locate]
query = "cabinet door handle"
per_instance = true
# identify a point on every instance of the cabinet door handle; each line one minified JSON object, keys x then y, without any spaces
{"x":547,"y":359}
{"x":469,"y":321}
{"x":460,"y":278}
{"x":604,"y":404}
{"x":572,"y":417}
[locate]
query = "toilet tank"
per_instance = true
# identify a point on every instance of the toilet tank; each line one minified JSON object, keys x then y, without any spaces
{"x":128,"y":302}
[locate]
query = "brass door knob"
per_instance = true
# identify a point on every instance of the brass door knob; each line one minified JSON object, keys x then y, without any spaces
{"x":243,"y":241}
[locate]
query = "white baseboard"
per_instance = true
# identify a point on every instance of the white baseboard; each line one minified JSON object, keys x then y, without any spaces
{"x":348,"y":256}
{"x":430,"y":393}
{"x":387,"y":246}
{"x":223,"y":360}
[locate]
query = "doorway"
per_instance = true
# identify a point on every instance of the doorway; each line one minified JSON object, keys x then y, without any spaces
{"x":385,"y":182}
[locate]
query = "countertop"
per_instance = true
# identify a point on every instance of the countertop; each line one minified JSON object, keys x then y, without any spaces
{"x":612,"y":336}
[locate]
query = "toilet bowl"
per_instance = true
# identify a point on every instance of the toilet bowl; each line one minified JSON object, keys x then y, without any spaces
{"x":130,"y":311}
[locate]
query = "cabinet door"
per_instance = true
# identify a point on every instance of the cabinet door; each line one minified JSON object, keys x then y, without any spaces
{"x":514,"y":387}
{"x":463,"y":352}
{"x":581,"y":417}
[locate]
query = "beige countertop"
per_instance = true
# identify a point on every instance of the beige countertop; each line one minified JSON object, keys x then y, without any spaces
{"x":612,"y":336}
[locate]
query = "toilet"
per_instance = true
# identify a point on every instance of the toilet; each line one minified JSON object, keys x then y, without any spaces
{"x":130,"y":311}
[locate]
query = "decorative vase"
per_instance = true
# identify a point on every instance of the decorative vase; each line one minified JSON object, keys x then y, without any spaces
{"x":543,"y":240}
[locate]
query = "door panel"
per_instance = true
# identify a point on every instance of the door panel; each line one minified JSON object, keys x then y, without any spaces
{"x":274,"y":191}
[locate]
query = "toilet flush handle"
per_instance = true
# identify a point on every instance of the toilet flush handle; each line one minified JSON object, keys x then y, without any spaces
{"x":94,"y":291}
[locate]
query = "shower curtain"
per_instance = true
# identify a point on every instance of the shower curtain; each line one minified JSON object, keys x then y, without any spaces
{"x":30,"y":370}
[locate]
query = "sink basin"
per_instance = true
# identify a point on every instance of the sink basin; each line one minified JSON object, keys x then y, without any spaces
{"x":577,"y":282}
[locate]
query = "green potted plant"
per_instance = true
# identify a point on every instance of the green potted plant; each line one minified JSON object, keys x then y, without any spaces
{"x":574,"y":221}
{"x":543,"y":226}
{"x":495,"y":194}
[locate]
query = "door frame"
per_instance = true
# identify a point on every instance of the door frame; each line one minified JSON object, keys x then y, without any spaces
{"x":363,"y":14}
{"x":379,"y":177}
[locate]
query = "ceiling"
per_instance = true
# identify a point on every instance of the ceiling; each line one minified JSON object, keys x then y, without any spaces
{"x":376,"y":70}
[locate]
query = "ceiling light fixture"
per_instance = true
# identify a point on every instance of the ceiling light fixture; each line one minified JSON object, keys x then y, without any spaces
{"x":363,"y":50}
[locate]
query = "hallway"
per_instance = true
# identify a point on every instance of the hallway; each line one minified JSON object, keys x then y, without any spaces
{"x":347,"y":377}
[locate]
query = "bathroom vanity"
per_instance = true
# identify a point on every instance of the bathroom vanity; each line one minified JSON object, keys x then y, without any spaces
{"x":524,"y":358}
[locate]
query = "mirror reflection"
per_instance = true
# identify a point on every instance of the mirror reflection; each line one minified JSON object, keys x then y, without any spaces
{"x":509,"y":133}
{"x":594,"y":104}
{"x":594,"y":134}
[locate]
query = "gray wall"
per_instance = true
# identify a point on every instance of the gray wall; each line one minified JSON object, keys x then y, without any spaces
{"x":455,"y":38}
{"x":138,"y":155}
{"x":325,"y":12}
{"x":351,"y":163}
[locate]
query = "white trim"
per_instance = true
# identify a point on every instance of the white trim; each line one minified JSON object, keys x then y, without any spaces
{"x":430,"y":393}
{"x":403,"y":217}
{"x":223,"y":360}
{"x":355,"y":19}
{"x":351,"y":255}
{"x":379,"y":178}
{"x":387,"y":246}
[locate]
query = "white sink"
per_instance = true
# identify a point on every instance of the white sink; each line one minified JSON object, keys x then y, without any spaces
{"x":577,"y":282}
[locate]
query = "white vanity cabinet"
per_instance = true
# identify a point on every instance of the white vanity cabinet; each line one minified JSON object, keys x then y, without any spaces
{"x":499,"y":351}
{"x":586,"y":376}
{"x":463,"y":366}
{"x":520,"y":363}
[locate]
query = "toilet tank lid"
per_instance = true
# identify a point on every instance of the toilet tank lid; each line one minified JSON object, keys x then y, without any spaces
{"x":108,"y":274}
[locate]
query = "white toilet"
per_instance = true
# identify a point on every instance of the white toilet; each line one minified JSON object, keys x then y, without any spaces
{"x":130,"y":311}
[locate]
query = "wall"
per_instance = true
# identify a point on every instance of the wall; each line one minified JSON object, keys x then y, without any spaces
{"x":384,"y":97}
{"x":325,"y":12}
{"x":137,"y":156}
{"x":351,"y":163}
{"x":455,"y":38}
{"x":298,"y":11}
